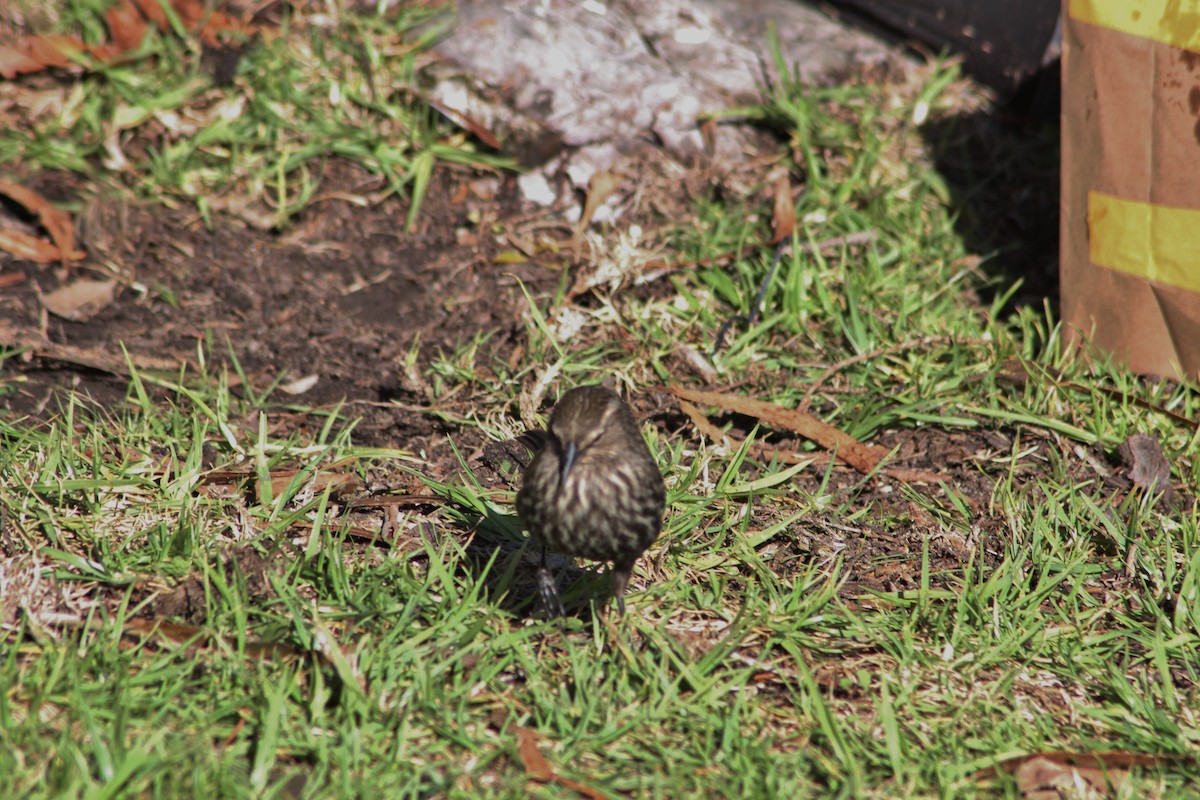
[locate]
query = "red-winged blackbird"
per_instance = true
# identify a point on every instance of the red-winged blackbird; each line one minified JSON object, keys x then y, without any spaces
{"x":593,"y":490}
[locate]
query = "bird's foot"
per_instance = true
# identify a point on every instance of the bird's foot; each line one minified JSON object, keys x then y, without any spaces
{"x":548,"y":589}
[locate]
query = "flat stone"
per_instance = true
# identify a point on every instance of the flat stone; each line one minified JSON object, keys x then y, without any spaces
{"x":580,"y":87}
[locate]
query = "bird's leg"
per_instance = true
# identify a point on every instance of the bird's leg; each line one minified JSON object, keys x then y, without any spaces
{"x":620,"y":579}
{"x":548,"y":589}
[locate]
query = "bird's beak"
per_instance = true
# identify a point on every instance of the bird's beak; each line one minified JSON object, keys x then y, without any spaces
{"x":570,"y":453}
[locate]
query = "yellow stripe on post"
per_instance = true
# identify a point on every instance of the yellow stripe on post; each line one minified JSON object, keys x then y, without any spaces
{"x":1173,"y":22}
{"x":1159,"y":243}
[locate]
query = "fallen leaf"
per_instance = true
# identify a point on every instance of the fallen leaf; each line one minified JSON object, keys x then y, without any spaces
{"x":600,"y":188}
{"x":1050,"y":776}
{"x":708,"y":133}
{"x":37,"y":53}
{"x":196,"y":17}
{"x":81,"y":300}
{"x":92,"y":358}
{"x":57,"y":222}
{"x":1148,"y":466}
{"x":539,"y":769}
{"x":863,"y":457}
{"x":339,"y":484}
{"x":916,"y":475}
{"x":300,"y":385}
{"x":1043,"y":778}
{"x":535,"y":764}
{"x":703,"y":424}
{"x":28,"y":248}
{"x":783,"y":222}
{"x":114,"y":158}
{"x":126,"y":26}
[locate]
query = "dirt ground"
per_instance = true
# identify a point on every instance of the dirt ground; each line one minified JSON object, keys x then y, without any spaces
{"x":344,"y":295}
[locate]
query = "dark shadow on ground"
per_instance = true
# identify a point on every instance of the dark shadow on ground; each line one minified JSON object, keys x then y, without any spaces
{"x":1002,"y":169}
{"x":498,"y":556}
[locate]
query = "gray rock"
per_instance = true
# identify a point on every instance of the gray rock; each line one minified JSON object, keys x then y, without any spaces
{"x":587,"y":86}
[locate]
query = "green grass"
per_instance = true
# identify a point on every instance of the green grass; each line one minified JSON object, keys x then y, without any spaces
{"x":342,"y":87}
{"x":747,"y":667}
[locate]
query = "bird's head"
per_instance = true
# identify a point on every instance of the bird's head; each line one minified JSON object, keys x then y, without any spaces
{"x":586,"y":425}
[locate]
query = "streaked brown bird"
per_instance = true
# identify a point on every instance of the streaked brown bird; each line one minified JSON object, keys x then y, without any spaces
{"x":593,"y":490}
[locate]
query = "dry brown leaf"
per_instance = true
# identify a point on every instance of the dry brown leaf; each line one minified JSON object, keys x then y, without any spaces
{"x":702,"y":423}
{"x":916,"y":475}
{"x":153,"y":12}
{"x":196,"y":16}
{"x":81,"y":300}
{"x":539,"y":769}
{"x":37,"y":53}
{"x":1050,"y":776}
{"x":1148,"y":467}
{"x":534,"y":763}
{"x":338,"y":483}
{"x":708,"y":133}
{"x":863,"y":457}
{"x":172,"y":632}
{"x":600,"y":188}
{"x":92,"y":358}
{"x":783,"y":222}
{"x":29,"y":248}
{"x":57,"y":222}
{"x":1042,"y":778}
{"x":126,"y":26}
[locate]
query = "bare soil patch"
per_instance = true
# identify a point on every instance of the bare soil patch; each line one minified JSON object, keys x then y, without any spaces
{"x":343,"y":296}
